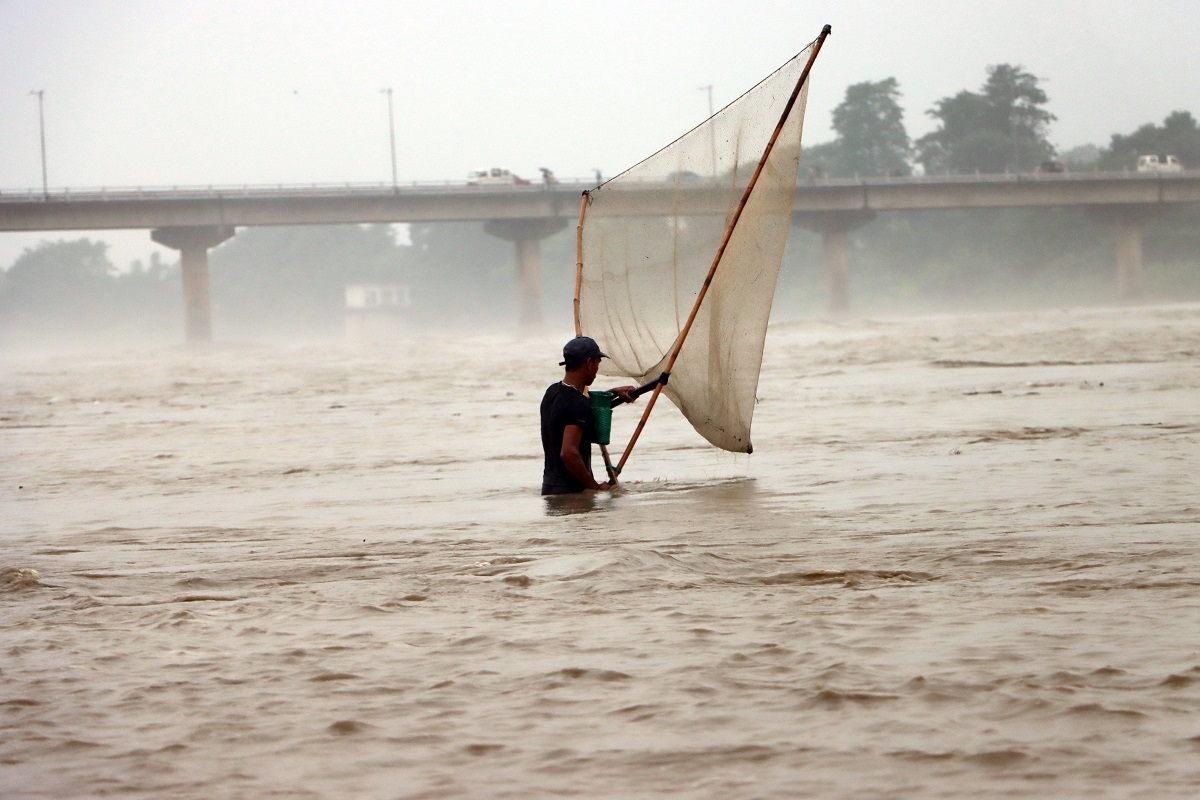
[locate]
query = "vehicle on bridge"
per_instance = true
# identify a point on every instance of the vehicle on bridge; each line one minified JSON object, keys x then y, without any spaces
{"x":494,"y":177}
{"x":1153,"y":164}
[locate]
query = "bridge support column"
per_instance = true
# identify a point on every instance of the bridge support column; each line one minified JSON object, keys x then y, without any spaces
{"x":526,"y":235}
{"x":1127,"y":221}
{"x":193,"y":244}
{"x":835,"y":227}
{"x":1129,"y":261}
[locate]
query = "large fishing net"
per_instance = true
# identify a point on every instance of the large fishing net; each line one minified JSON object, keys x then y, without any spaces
{"x":650,"y":235}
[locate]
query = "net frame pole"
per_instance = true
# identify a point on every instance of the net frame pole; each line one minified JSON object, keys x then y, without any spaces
{"x":737,"y":215}
{"x":609,"y":469}
{"x":608,"y":466}
{"x":579,"y":260}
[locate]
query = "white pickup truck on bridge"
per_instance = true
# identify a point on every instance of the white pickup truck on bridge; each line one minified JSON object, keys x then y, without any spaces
{"x":1154,"y":164}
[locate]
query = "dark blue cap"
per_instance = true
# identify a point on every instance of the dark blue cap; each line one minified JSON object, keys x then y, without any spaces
{"x":580,"y":349}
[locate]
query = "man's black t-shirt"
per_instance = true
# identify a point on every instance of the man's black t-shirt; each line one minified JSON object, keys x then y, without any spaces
{"x":564,"y":405}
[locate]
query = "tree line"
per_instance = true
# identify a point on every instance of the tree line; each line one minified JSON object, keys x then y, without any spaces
{"x":290,"y":281}
{"x":1002,"y":127}
{"x":266,"y":282}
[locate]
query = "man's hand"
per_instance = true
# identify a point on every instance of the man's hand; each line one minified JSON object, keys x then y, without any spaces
{"x":623,"y":392}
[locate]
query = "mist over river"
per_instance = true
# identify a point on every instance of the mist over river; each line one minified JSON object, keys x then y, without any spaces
{"x":963,"y":561}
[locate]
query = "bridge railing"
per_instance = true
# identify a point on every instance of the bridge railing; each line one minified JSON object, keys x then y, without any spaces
{"x":244,"y":190}
{"x":128,"y":193}
{"x":993,"y":178}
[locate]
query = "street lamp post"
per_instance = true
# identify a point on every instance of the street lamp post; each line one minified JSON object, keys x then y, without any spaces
{"x":391,"y":133}
{"x":42,"y":130}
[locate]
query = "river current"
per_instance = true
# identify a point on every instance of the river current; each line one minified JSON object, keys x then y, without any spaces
{"x":963,"y":561}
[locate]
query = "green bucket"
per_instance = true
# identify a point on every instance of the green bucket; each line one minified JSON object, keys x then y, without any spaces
{"x":602,"y":413}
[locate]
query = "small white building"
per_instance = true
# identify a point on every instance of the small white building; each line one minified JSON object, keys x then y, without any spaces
{"x":376,"y":311}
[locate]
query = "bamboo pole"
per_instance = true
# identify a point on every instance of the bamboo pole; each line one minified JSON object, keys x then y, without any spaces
{"x":608,"y":465}
{"x":579,"y":261}
{"x":737,"y":215}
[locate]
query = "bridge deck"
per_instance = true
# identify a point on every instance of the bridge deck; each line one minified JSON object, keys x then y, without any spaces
{"x":133,"y":208}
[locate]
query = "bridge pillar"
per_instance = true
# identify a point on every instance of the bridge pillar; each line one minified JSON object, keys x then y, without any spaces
{"x":193,"y":244}
{"x":526,"y":235}
{"x":1129,"y":261}
{"x":834,"y":227}
{"x":1127,"y":221}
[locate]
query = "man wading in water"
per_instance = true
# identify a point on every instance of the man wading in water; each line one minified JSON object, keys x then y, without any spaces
{"x":568,"y":428}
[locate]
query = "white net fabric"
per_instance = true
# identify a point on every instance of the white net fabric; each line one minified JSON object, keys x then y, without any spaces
{"x":650,"y":236}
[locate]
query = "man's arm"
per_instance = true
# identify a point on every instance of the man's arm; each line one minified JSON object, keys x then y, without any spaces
{"x":572,"y":435}
{"x":629,"y":394}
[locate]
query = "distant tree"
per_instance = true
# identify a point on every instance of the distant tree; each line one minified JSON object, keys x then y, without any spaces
{"x":871,"y":139}
{"x":148,"y":299}
{"x":1003,"y":127}
{"x":1178,"y":136}
{"x":462,"y":275}
{"x":1084,"y":156}
{"x":870,"y":127}
{"x":70,"y":291}
{"x":69,"y":276}
{"x":292,"y":279}
{"x":821,"y":160}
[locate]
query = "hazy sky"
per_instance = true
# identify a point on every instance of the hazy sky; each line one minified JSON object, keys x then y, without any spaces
{"x":199,"y":92}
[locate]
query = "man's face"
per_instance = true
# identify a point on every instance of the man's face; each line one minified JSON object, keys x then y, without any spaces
{"x":593,"y":367}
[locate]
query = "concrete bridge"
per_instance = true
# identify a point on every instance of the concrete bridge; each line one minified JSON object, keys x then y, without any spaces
{"x":195,"y":219}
